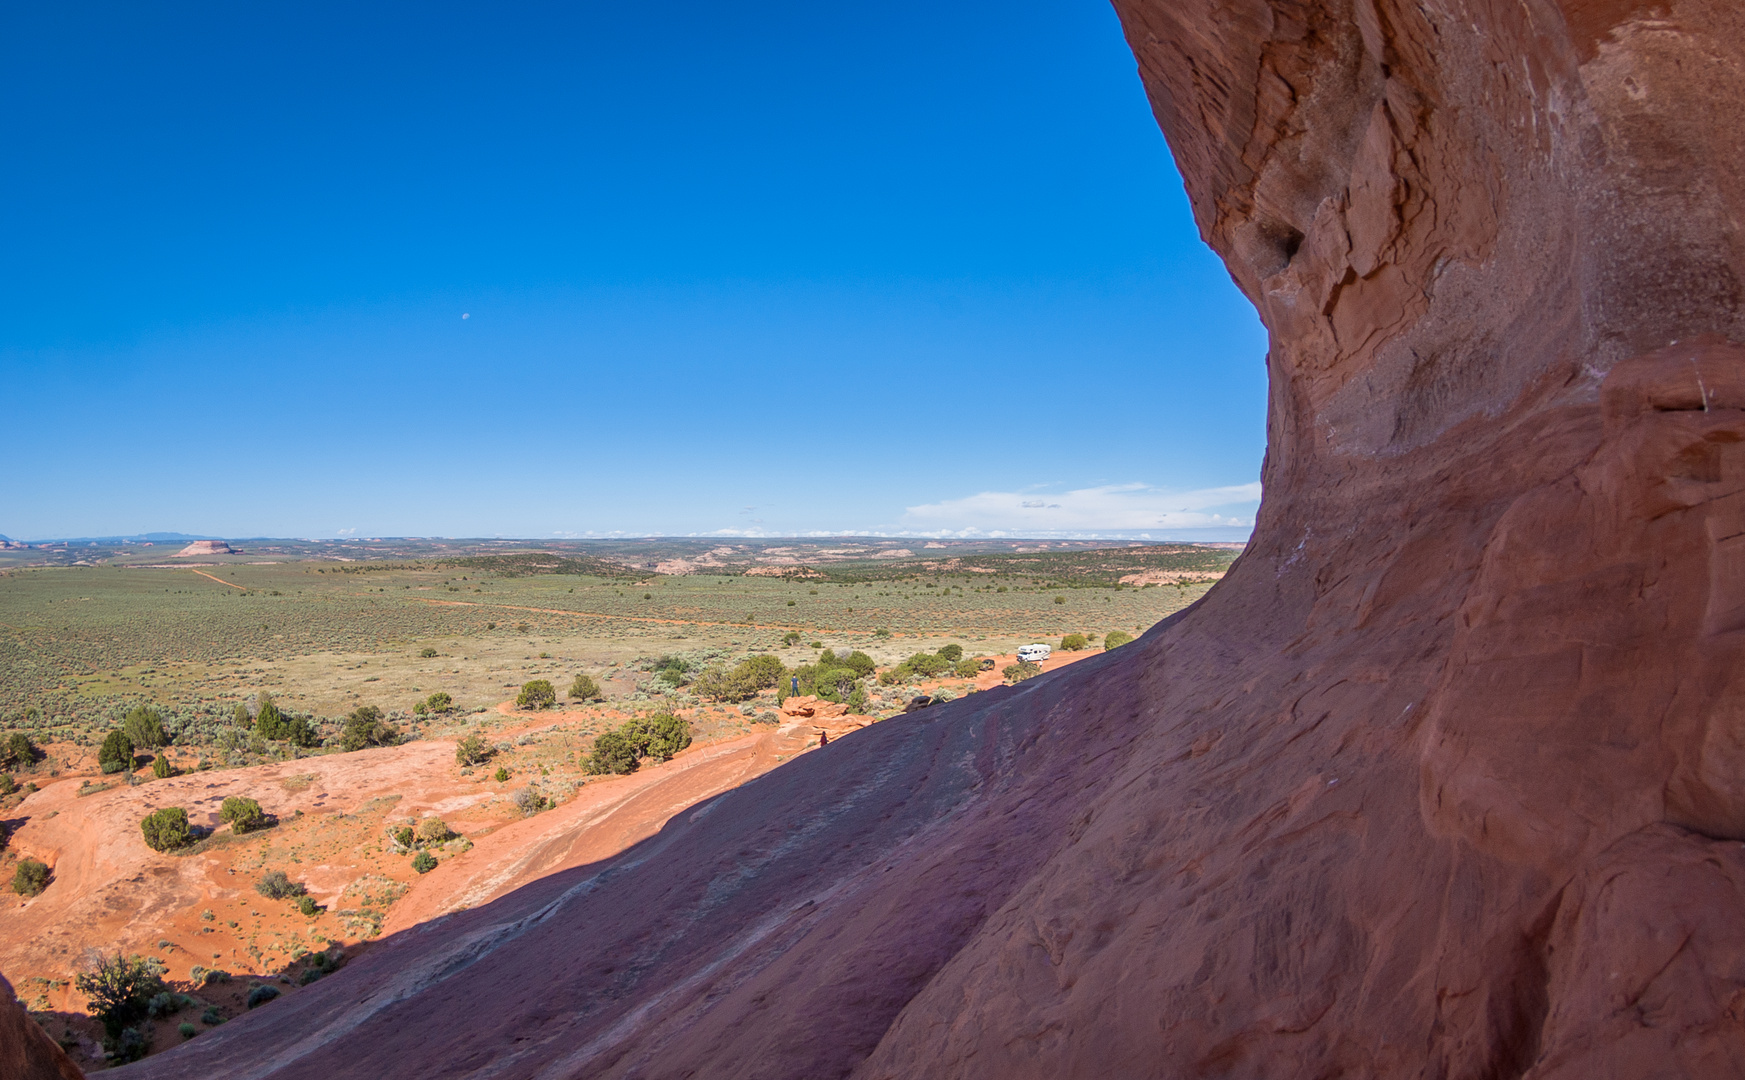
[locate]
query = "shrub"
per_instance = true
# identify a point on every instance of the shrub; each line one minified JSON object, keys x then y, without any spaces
{"x":858,"y":662}
{"x":144,"y":728}
{"x":659,"y":736}
{"x":17,"y":751}
{"x":881,"y":632}
{"x":927,"y":664}
{"x":160,"y":767}
{"x":260,"y":995}
{"x":521,"y":627}
{"x":1060,"y":599}
{"x":792,"y":637}
{"x":7,"y":784}
{"x":298,"y":731}
{"x":584,"y":689}
{"x":130,"y":1045}
{"x":834,"y":683}
{"x":1072,"y":643}
{"x":308,"y":906}
{"x":403,"y":835}
{"x":1116,"y":639}
{"x":163,"y":1004}
{"x":268,"y":720}
{"x":1024,"y":669}
{"x":953,"y":653}
{"x":891,"y":676}
{"x":31,"y":877}
{"x":5,"y":834}
{"x":119,"y":991}
{"x":166,"y":829}
{"x":419,"y":708}
{"x":433,"y":830}
{"x":242,"y":814}
{"x":188,"y":1031}
{"x":472,"y":750}
{"x":501,"y":775}
{"x":424,"y":862}
{"x":537,"y":694}
{"x":613,"y":753}
{"x":529,"y":801}
{"x":212,"y":1017}
{"x":763,"y":670}
{"x":427,"y":653}
{"x":116,"y":753}
{"x":967,"y":668}
{"x":365,"y":728}
{"x":275,"y":885}
{"x":439,"y":702}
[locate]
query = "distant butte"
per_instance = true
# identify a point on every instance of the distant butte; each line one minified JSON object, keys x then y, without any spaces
{"x":1446,"y":778}
{"x":205,"y":547}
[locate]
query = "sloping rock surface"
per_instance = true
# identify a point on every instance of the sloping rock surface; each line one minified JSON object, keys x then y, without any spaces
{"x":1445,"y":779}
{"x":26,"y":1051}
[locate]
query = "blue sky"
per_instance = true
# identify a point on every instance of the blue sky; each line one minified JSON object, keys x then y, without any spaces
{"x":589,"y":269}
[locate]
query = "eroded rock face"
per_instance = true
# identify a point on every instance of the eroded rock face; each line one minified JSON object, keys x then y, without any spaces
{"x":1446,"y":778}
{"x":26,"y":1051}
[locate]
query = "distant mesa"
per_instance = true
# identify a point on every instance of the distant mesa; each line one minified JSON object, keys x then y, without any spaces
{"x":205,"y":547}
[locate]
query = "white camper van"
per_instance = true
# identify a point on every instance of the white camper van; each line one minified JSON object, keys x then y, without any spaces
{"x":1033,"y":654}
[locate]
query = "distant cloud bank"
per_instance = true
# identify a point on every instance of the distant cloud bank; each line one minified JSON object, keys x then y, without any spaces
{"x":1111,"y":510}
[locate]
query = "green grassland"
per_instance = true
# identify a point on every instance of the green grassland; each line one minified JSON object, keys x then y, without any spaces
{"x":81,"y":644}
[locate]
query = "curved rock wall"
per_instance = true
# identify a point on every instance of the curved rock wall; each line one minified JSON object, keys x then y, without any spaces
{"x":1446,"y":778}
{"x":26,"y":1051}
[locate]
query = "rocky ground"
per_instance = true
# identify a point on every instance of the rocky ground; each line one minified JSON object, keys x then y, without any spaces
{"x":199,"y":909}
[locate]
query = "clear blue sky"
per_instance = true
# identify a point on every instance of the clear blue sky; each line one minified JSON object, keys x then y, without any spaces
{"x":773,"y":268}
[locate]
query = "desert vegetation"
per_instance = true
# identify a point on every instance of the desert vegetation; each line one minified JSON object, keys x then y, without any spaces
{"x":472,"y":749}
{"x":30,"y":877}
{"x":120,"y":991}
{"x":277,"y":885}
{"x":536,"y":694}
{"x":365,"y":728}
{"x":621,"y":750}
{"x":242,"y":814}
{"x":167,"y":829}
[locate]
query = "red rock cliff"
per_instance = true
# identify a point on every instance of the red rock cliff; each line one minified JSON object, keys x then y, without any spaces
{"x":1446,"y":779}
{"x":26,"y":1051}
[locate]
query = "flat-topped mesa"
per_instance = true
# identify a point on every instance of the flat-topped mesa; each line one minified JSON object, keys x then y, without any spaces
{"x":205,"y":547}
{"x":1446,"y":777}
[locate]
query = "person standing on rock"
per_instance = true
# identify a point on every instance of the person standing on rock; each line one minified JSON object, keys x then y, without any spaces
{"x":823,"y":738}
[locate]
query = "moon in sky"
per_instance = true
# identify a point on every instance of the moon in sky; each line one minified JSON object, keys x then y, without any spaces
{"x":466,"y":315}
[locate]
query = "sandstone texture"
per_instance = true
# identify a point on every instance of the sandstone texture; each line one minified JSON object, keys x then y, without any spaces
{"x":26,"y":1051}
{"x":1446,"y":778}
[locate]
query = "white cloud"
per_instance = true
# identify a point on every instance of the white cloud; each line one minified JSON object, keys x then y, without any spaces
{"x":1115,"y":508}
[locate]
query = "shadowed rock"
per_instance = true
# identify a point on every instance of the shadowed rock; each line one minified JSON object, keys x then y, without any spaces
{"x":26,"y":1051}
